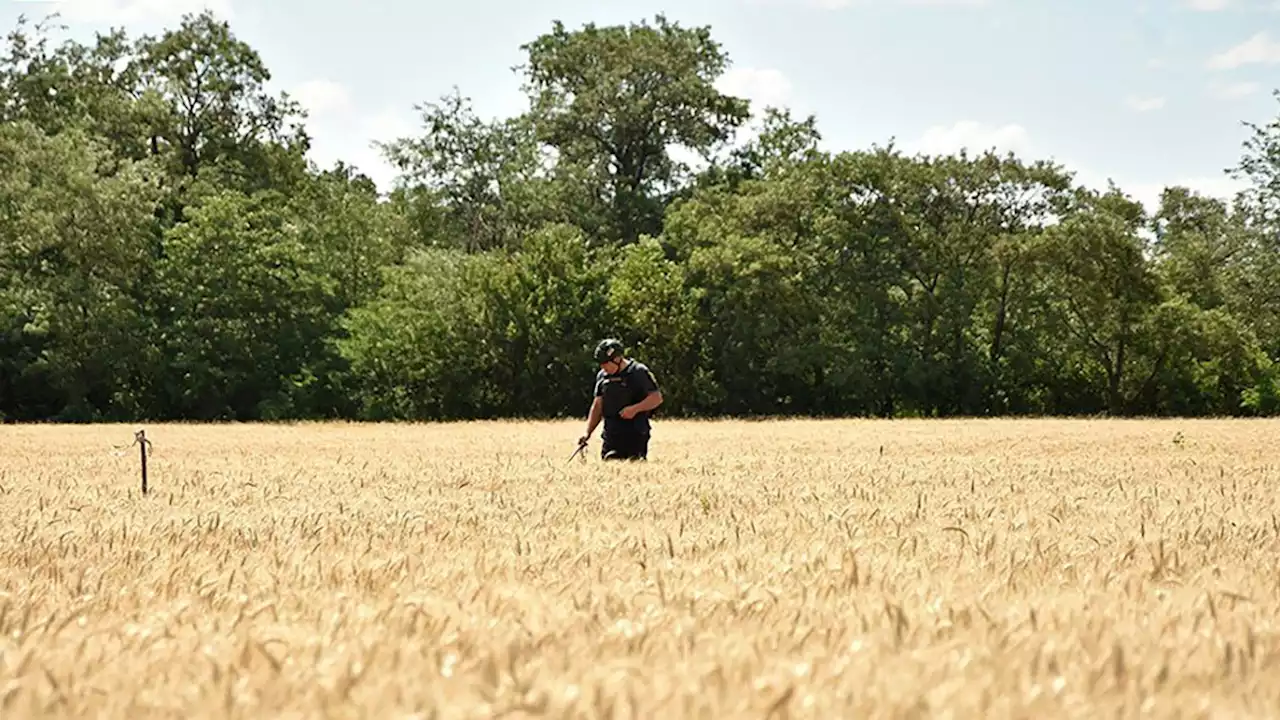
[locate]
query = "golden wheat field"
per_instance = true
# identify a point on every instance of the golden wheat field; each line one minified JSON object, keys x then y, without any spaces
{"x":851,"y":569}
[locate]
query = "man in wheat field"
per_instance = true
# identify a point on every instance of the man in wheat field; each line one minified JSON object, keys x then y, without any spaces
{"x":626,"y":393}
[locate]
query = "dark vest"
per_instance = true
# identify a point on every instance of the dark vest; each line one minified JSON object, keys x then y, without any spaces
{"x":619,"y":391}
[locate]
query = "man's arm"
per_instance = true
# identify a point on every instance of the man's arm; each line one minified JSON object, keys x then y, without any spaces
{"x":593,"y":418}
{"x":651,"y":400}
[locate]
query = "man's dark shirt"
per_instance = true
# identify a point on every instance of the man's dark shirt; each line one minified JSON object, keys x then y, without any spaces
{"x":627,"y":387}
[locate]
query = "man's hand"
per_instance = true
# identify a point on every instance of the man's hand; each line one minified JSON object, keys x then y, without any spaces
{"x":651,"y":401}
{"x":582,"y":441}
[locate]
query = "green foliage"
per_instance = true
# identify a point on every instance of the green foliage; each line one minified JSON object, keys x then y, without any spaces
{"x":474,"y":183}
{"x":420,"y":349}
{"x":248,"y":302}
{"x":614,"y":100}
{"x":656,"y":309}
{"x":74,"y":250}
{"x":166,"y":252}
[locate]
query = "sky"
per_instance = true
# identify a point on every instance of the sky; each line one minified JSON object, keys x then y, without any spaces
{"x":1147,"y":93}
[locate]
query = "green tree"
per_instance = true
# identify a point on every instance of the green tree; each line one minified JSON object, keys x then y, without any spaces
{"x":613,"y":101}
{"x":94,"y":88}
{"x":1104,"y":290}
{"x":419,"y":349}
{"x":472,"y":184}
{"x":75,"y":238}
{"x":249,"y":307}
{"x":1260,"y":166}
{"x":654,"y":312}
{"x":545,"y":308}
{"x":215,"y":118}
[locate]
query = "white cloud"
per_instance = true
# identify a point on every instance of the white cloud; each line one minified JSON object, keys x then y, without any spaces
{"x":1208,"y":5}
{"x":1145,"y":104}
{"x":130,"y":12}
{"x":1221,"y":187}
{"x":320,"y":97}
{"x":338,"y":132}
{"x":1235,"y":91}
{"x":1257,"y":50}
{"x":762,"y":86}
{"x":973,"y":136}
{"x":384,"y":126}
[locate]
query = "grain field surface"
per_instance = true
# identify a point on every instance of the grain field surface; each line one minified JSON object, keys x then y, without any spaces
{"x":798,"y":569}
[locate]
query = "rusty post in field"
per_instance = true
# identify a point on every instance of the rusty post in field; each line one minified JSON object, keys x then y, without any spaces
{"x":141,"y":439}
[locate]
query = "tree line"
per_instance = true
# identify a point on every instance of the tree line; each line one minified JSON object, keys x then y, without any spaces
{"x":168,"y":252}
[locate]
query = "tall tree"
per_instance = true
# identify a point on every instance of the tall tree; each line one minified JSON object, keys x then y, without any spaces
{"x":219,"y":118}
{"x":1260,"y":166}
{"x":77,"y":86}
{"x":469,"y":183}
{"x":1104,"y":288}
{"x":1260,"y":210}
{"x":251,"y":306}
{"x":75,"y":240}
{"x":613,"y":101}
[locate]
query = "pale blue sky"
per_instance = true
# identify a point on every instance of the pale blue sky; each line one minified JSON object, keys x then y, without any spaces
{"x":1148,"y":92}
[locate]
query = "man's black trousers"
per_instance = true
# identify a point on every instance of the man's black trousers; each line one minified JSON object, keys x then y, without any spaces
{"x":625,"y":446}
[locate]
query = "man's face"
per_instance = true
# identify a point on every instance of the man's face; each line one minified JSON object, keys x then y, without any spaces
{"x":611,"y":366}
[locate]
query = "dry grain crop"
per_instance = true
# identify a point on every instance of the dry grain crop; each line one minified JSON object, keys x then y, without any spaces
{"x":788,"y":569}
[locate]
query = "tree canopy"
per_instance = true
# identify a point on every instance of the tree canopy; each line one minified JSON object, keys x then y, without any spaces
{"x":167,"y":251}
